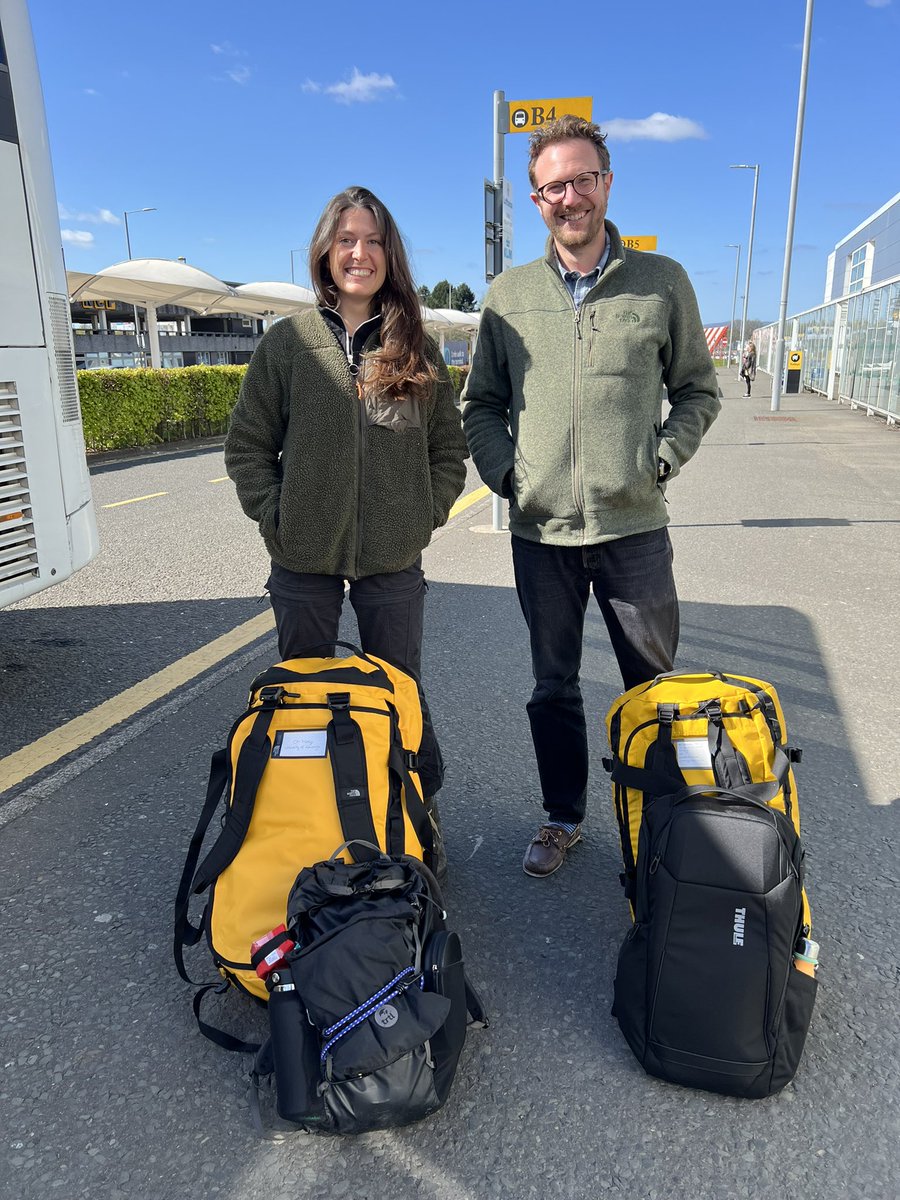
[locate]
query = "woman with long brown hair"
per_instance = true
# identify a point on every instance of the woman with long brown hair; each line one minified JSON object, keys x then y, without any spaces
{"x":346,"y":447}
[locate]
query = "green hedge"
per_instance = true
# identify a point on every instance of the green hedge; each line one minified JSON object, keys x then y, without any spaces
{"x":141,"y":406}
{"x":458,"y":377}
{"x":144,"y":407}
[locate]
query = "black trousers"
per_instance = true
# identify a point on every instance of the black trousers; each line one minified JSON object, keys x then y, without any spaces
{"x":633,"y":583}
{"x":390,"y":612}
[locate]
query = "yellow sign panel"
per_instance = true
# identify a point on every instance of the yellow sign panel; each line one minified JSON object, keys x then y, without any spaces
{"x":527,"y":115}
{"x":795,"y":360}
{"x":640,"y":243}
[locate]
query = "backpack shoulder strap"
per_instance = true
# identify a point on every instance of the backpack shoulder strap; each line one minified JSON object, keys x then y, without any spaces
{"x":187,"y":934}
{"x":251,"y":763}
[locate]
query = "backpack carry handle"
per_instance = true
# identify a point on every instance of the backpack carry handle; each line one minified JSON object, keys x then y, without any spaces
{"x":304,"y":652}
{"x":691,"y":675}
{"x":751,"y":794}
{"x":359,"y":842}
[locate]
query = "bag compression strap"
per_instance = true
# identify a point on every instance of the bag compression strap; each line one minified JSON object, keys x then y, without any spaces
{"x":347,"y":755}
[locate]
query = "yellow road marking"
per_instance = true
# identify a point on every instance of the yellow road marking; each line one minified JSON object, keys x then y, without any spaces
{"x":467,"y":501}
{"x":221,"y":479}
{"x":81,"y":730}
{"x":119,"y":503}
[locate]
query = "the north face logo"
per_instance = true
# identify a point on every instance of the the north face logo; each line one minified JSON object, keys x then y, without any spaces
{"x":628,"y":318}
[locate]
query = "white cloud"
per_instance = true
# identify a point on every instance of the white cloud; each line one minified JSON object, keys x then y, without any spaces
{"x":878,"y":3}
{"x":101,"y":217}
{"x":78,"y":237}
{"x":223,"y":48}
{"x":238,"y":74}
{"x":90,"y":92}
{"x":358,"y":89}
{"x":658,"y":127}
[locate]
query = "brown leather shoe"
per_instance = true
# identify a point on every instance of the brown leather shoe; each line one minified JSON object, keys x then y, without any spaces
{"x":547,"y":851}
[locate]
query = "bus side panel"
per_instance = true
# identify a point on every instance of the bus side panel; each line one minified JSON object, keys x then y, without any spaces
{"x":20,"y":310}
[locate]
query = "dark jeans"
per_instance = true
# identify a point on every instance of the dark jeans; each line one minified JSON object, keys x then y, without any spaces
{"x":633,"y":583}
{"x":390,"y":611}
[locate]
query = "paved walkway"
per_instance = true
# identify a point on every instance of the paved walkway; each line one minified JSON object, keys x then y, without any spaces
{"x":786,"y":530}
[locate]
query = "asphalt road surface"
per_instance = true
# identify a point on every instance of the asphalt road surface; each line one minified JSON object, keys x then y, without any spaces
{"x":786,"y":541}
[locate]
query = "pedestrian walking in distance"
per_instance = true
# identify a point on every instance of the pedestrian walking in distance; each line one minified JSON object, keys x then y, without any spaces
{"x":748,"y":364}
{"x":563,"y":415}
{"x":346,"y":448}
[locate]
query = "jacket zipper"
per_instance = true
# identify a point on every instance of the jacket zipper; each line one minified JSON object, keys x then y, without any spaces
{"x":577,"y":484}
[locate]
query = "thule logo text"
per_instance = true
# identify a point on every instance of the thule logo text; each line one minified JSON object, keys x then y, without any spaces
{"x":740,"y":917}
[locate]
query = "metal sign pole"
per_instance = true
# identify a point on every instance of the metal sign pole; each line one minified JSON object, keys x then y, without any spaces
{"x":792,"y":208}
{"x":501,"y":124}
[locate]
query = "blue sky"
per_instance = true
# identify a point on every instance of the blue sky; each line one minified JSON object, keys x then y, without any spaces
{"x":238,"y":122}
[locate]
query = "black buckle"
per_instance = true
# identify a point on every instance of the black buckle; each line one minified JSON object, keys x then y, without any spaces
{"x":271,"y":694}
{"x":607,"y":765}
{"x":338,"y":701}
{"x":794,"y":753}
{"x":411,"y":758}
{"x":666,"y":713}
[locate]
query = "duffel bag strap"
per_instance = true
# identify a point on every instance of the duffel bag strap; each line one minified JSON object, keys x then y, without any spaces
{"x":251,"y":763}
{"x":227,"y":1041}
{"x":415,"y":808}
{"x":475,"y":1006}
{"x":347,"y":754}
{"x":187,"y":934}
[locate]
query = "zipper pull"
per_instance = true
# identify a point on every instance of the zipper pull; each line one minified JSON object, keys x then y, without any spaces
{"x":654,"y":865}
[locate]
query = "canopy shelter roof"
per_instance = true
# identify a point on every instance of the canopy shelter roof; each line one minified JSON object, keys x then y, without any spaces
{"x":151,"y":283}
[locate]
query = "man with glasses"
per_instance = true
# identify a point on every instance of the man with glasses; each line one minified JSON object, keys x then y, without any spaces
{"x":563,"y":414}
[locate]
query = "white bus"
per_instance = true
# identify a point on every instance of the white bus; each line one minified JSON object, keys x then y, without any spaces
{"x":47,"y":524}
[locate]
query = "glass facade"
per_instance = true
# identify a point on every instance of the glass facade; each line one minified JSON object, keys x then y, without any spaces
{"x":851,"y":349}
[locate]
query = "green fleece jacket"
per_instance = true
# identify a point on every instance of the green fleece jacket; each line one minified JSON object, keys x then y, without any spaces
{"x":563,"y":409}
{"x":336,"y":489}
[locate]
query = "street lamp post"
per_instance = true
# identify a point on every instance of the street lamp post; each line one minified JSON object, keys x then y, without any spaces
{"x":299,"y":250}
{"x":792,"y":208}
{"x":737,"y":263}
{"x":754,"y":167}
{"x":126,"y":215}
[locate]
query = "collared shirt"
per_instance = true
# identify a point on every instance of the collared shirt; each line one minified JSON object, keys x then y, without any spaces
{"x":579,"y":285}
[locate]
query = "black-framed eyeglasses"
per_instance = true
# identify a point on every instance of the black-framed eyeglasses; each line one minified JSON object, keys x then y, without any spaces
{"x":584,"y":184}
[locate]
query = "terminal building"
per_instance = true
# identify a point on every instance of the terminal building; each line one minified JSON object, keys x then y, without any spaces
{"x":851,"y":342}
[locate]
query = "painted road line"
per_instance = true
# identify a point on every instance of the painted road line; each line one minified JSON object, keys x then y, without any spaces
{"x":468,"y":501}
{"x":78,"y":732}
{"x":221,"y":479}
{"x":119,"y":503}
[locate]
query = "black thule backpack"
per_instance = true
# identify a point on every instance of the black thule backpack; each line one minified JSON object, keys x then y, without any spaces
{"x":706,"y":990}
{"x":368,"y":1012}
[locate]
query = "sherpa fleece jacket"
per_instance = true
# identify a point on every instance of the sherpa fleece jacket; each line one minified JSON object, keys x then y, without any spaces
{"x":563,"y":408}
{"x":334,"y":491}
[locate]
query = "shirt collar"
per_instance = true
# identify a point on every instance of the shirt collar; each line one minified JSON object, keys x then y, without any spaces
{"x":574,"y":276}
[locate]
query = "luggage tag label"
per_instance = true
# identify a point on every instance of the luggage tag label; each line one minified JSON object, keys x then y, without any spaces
{"x":299,"y":743}
{"x":693,"y":754}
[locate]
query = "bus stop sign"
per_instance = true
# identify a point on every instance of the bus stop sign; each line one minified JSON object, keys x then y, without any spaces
{"x":528,"y":115}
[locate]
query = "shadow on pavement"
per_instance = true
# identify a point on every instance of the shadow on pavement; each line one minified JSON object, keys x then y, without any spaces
{"x":110,"y":1088}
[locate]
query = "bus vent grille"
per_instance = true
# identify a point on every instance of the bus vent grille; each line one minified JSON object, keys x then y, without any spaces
{"x":63,"y":348}
{"x":18,"y":551}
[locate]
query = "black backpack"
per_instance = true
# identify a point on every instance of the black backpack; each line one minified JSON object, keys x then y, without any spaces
{"x":706,"y":991}
{"x":368,"y":1012}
